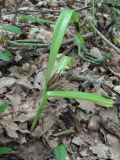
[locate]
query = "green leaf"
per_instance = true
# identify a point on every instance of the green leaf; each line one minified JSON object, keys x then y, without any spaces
{"x":5,"y":56}
{"x":11,"y":28}
{"x":60,"y":152}
{"x":59,"y":31}
{"x":58,"y":35}
{"x":33,"y":19}
{"x":95,"y":98}
{"x":80,"y":44}
{"x":4,"y":106}
{"x":116,"y":20}
{"x":5,"y":150}
{"x":116,"y":11}
{"x":64,"y":63}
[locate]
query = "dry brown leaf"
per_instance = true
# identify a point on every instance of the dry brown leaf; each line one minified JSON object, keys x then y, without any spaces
{"x":7,"y":82}
{"x":10,"y":127}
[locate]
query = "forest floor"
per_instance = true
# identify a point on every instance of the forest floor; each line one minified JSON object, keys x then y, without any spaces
{"x":90,"y":132}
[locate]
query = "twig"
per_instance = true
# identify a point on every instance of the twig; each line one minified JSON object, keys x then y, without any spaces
{"x":64,"y":133}
{"x":48,"y":10}
{"x":80,"y":9}
{"x":79,"y":78}
{"x":115,"y":73}
{"x":105,"y":39}
{"x":85,"y":36}
{"x":26,"y":44}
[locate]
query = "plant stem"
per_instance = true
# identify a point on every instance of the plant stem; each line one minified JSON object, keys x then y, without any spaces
{"x":40,"y":109}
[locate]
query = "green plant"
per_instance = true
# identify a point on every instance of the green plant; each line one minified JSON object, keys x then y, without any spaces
{"x":25,"y":18}
{"x":5,"y":150}
{"x":5,"y":55}
{"x":4,"y":106}
{"x":10,"y":28}
{"x":58,"y":34}
{"x":60,"y":152}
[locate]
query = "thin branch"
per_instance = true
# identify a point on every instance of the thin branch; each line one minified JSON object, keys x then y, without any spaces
{"x":106,"y":40}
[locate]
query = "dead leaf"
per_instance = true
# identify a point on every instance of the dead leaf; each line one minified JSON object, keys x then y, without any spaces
{"x":25,"y":118}
{"x":88,"y":107}
{"x":39,"y":80}
{"x":94,"y":123}
{"x":114,"y":143}
{"x":110,"y":121}
{"x":78,"y":141}
{"x":101,"y":150}
{"x":7,"y":82}
{"x":10,"y":128}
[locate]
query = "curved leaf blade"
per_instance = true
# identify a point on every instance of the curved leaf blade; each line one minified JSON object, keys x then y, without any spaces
{"x":95,"y":98}
{"x":58,"y":35}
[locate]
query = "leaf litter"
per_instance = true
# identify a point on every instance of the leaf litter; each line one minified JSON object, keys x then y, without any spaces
{"x":22,"y":84}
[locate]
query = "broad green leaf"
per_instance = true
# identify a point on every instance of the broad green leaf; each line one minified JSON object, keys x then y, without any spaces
{"x":33,"y":19}
{"x":4,"y":106}
{"x":5,"y":150}
{"x":5,"y":56}
{"x":60,"y":152}
{"x":64,"y":63}
{"x":59,"y":31}
{"x":58,"y":35}
{"x":95,"y":98}
{"x":11,"y":28}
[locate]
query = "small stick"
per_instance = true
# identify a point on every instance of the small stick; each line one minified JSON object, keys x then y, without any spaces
{"x":64,"y":133}
{"x":79,"y":78}
{"x":26,"y":44}
{"x":48,"y":10}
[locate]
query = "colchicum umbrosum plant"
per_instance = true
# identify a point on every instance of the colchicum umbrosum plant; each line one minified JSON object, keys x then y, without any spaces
{"x":61,"y":25}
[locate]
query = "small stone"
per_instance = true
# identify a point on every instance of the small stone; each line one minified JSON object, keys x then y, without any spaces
{"x":101,"y":150}
{"x":26,"y":67}
{"x":84,"y":153}
{"x":114,"y":142}
{"x":78,"y":141}
{"x":96,"y":52}
{"x":94,"y":123}
{"x":117,"y":89}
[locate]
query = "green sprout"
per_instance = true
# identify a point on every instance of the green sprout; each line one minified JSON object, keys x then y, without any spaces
{"x":65,"y":17}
